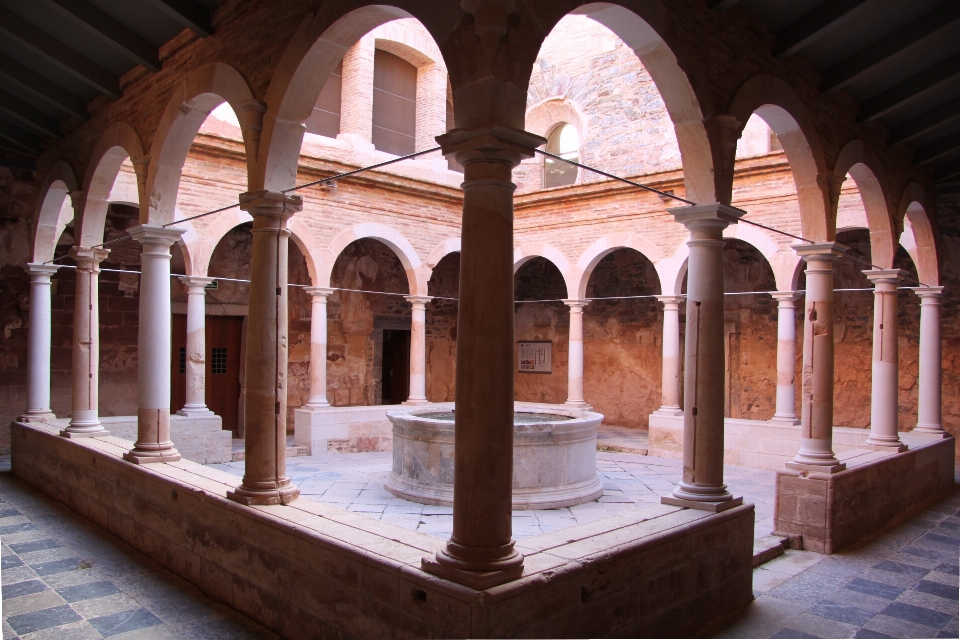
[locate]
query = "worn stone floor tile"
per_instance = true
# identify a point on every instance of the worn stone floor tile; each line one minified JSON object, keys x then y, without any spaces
{"x":160,"y":632}
{"x":104,"y":606}
{"x":947,"y":606}
{"x":897,"y":628}
{"x":918,"y":614}
{"x":763,"y":617}
{"x":861,"y":600}
{"x":820,"y":627}
{"x":71,"y":563}
{"x":764,"y":580}
{"x":793,"y":562}
{"x":942,"y":578}
{"x":229,"y":628}
{"x":807,"y":587}
{"x":874,"y":588}
{"x":869,"y":633}
{"x":839,"y":567}
{"x":33,"y":602}
{"x":942,"y":591}
{"x":37,"y":545}
{"x":124,"y":621}
{"x":24,"y":588}
{"x":17,"y":574}
{"x":43,"y":619}
{"x":7,"y":631}
{"x":81,"y":630}
{"x":46,"y":555}
{"x":902,"y":580}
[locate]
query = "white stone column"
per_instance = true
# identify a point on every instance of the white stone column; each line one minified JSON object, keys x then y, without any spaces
{"x":884,"y":405}
{"x":929,"y":420}
{"x":265,"y":405}
{"x":418,"y":349}
{"x":816,"y":395}
{"x":575,"y":355}
{"x":670,"y":372}
{"x":196,"y":402}
{"x":318,"y":347}
{"x":356,"y":102}
{"x":702,"y":485}
{"x":84,"y":416}
{"x":786,"y":411}
{"x":154,"y":347}
{"x":38,"y":344}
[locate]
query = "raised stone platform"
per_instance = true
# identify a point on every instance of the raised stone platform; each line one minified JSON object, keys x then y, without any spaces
{"x":832,"y":511}
{"x":344,"y":429}
{"x":310,"y":570}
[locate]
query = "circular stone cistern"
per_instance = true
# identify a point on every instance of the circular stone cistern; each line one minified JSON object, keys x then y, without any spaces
{"x":554,"y":456}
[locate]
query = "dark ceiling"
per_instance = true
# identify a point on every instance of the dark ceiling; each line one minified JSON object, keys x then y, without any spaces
{"x":899,"y":58}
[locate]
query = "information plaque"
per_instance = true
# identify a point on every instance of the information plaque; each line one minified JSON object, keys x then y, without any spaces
{"x":535,"y":357}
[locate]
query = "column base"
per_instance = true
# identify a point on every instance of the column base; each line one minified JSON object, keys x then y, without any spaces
{"x":151,"y":457}
{"x":47,"y":416}
{"x":414,"y":401}
{"x":196,"y":412}
{"x":583,"y":406}
{"x":668,"y":411}
{"x":895,"y":447}
{"x":286,"y":493}
{"x":933,"y":432}
{"x":478,"y":580}
{"x":87,"y":433}
{"x":788,"y":420}
{"x":712,"y":507}
{"x":317,"y":405}
{"x":816,"y":468}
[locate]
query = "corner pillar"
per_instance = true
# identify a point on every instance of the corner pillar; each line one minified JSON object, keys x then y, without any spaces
{"x":265,"y":405}
{"x":84,"y":416}
{"x":702,"y":485}
{"x":196,"y":401}
{"x":786,"y":411}
{"x":481,"y":553}
{"x":38,"y":345}
{"x":418,"y":349}
{"x":929,"y":419}
{"x":670,"y":371}
{"x":884,"y":405}
{"x":318,"y":347}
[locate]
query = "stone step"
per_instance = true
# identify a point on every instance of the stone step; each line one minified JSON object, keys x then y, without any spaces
{"x":292,"y":452}
{"x":767,"y":548}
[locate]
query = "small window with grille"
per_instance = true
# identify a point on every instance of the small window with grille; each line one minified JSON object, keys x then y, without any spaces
{"x":183,"y":360}
{"x":218,"y":361}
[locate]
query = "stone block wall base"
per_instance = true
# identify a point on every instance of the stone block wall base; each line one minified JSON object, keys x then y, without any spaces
{"x":151,"y":457}
{"x":37,"y":417}
{"x":898,"y":448}
{"x":478,"y":580}
{"x":264,"y":498}
{"x":816,"y":468}
{"x":939,"y":435}
{"x":712,"y":507}
{"x":87,"y":434}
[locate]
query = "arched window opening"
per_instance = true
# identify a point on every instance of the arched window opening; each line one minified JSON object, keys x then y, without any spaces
{"x":394,"y":104}
{"x":325,"y":119}
{"x":564,"y":141}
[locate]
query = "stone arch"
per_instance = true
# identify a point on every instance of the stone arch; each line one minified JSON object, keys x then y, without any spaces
{"x":673,"y":268}
{"x":442,"y":250}
{"x":858,"y":161}
{"x":778,"y":105}
{"x":192,"y":101}
{"x":606,"y":245}
{"x":400,"y":42}
{"x":918,"y":236}
{"x":546,"y":115}
{"x":418,"y":274}
{"x":54,"y":210}
{"x":527,"y":252}
{"x":118,"y":142}
{"x":311,"y":55}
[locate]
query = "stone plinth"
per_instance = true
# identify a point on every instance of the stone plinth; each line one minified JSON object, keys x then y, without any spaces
{"x":343,"y":429}
{"x":655,"y":571}
{"x":555,"y":462}
{"x":200,"y":439}
{"x":832,"y":511}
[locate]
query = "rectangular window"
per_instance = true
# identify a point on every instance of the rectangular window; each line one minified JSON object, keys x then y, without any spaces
{"x":218,"y":361}
{"x":183,"y":360}
{"x":394,"y":104}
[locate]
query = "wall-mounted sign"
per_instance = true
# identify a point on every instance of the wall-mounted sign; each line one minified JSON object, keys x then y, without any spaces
{"x":535,"y":357}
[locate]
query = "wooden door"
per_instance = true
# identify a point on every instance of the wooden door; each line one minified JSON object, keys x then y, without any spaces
{"x":223,"y":367}
{"x":396,"y":366}
{"x":178,"y":363}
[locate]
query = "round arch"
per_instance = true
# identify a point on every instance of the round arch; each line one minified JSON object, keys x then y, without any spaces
{"x":418,"y":274}
{"x":192,"y":101}
{"x":918,"y":236}
{"x":54,"y":210}
{"x":528,"y":252}
{"x":118,"y":142}
{"x":778,"y":105}
{"x":442,"y":250}
{"x":858,"y":161}
{"x":607,"y":245}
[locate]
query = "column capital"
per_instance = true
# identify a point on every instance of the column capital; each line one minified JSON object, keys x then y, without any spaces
{"x":320,"y":292}
{"x":576,"y":304}
{"x":888,"y":277}
{"x":155,"y":235}
{"x":820,"y":250}
{"x":784,"y":297}
{"x":671,"y":299}
{"x":193,"y":282}
{"x":87,"y":258}
{"x":41,"y":269}
{"x":490,"y":144}
{"x":706,"y":216}
{"x":928,"y":293}
{"x":418,"y":300}
{"x":271,"y":205}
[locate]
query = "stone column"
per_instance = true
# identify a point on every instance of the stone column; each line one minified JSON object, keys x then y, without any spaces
{"x":670,"y":372}
{"x":84,"y":418}
{"x":154,"y":347}
{"x":318,"y":347}
{"x":816,"y":395}
{"x":884,"y":405}
{"x":265,"y":404}
{"x":481,"y":552}
{"x":38,"y":345}
{"x":702,"y":485}
{"x":786,"y":357}
{"x":356,"y":102}
{"x":929,"y":419}
{"x":418,"y":349}
{"x":575,"y":355}
{"x":196,"y":404}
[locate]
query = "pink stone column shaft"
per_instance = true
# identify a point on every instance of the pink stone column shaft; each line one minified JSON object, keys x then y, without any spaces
{"x":929,"y":420}
{"x":884,"y":405}
{"x":38,"y":344}
{"x":816,"y":395}
{"x":318,"y":346}
{"x":154,"y":347}
{"x":418,"y":349}
{"x":481,"y":552}
{"x":575,"y":354}
{"x":702,"y":485}
{"x":84,"y":417}
{"x":670,"y":372}
{"x":196,"y":402}
{"x":786,"y":410}
{"x":265,"y":405}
